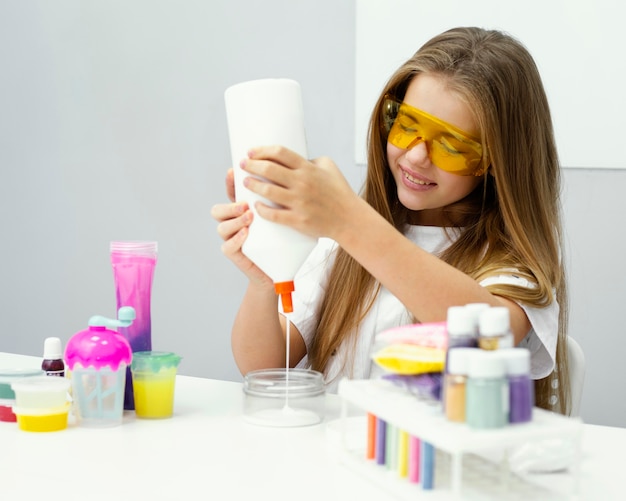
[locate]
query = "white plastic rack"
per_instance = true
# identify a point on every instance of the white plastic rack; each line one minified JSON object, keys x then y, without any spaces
{"x":469,"y":463}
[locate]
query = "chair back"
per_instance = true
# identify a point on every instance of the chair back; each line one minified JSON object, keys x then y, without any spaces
{"x":576,"y":364}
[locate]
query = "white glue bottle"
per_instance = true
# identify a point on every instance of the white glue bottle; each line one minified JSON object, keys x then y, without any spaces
{"x":259,"y":113}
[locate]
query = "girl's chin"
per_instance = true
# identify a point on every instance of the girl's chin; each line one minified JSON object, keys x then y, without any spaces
{"x":410,"y":202}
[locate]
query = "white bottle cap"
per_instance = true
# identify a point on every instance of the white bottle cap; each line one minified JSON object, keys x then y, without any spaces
{"x":494,"y":321}
{"x":516,"y":360}
{"x":52,"y":349}
{"x":486,"y":364}
{"x":458,"y":360}
{"x":460,"y":322}
{"x":476,"y":309}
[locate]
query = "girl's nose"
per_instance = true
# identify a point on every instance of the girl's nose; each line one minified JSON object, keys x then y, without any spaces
{"x":418,"y":154}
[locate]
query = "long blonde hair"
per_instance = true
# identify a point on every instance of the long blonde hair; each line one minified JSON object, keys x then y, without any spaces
{"x":512,"y":220}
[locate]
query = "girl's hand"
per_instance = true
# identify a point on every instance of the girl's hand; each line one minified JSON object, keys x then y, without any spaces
{"x":313,"y":197}
{"x":234,"y":220}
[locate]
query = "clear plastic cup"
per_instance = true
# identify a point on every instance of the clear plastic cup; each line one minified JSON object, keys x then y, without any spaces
{"x":284,"y":397}
{"x":98,"y":395}
{"x":40,"y":392}
{"x":41,"y":403}
{"x":154,"y":381}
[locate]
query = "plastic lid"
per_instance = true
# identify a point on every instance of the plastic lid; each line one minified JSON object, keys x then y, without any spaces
{"x":41,"y":383}
{"x":516,"y":360}
{"x":135,"y":247}
{"x":460,"y":322}
{"x":52,"y":348}
{"x":475,"y":310}
{"x":276,"y":383}
{"x":285,"y":289}
{"x":154,"y":361}
{"x":494,"y":321}
{"x":486,"y":364}
{"x":8,"y":376}
{"x":98,"y":347}
{"x":458,"y":360}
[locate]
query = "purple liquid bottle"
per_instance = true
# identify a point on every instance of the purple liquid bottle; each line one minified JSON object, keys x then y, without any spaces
{"x":133,"y":270}
{"x":521,"y":386}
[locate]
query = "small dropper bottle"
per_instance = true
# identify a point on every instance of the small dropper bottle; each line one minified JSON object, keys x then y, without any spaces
{"x":53,"y":363}
{"x":461,"y":334}
{"x":487,"y":391}
{"x":461,"y":327}
{"x":494,"y":325}
{"x":475,"y":309}
{"x":455,"y":380}
{"x":521,"y":387}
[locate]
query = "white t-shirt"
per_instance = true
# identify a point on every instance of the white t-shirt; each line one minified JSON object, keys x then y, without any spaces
{"x":354,"y":361}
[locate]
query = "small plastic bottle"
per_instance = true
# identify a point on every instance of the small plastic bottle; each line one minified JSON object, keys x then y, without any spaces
{"x":461,"y":327}
{"x":521,"y":387}
{"x":487,"y":393}
{"x":494,"y":326}
{"x":461,"y":334}
{"x":455,"y":383}
{"x":475,"y":310}
{"x":53,"y":363}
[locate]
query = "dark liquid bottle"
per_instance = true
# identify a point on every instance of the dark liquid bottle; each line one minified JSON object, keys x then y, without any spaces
{"x":53,"y":363}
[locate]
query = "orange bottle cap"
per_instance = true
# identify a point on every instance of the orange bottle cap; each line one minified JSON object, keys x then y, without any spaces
{"x":285,"y":289}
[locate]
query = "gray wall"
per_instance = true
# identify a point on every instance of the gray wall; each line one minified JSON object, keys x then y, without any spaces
{"x":112,"y":126}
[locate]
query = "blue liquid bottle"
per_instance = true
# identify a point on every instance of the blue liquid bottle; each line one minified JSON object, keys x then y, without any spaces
{"x":487,"y":393}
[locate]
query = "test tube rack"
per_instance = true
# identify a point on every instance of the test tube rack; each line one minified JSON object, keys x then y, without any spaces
{"x":468,"y":463}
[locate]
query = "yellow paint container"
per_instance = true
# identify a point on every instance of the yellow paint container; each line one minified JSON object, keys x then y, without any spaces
{"x":42,"y":420}
{"x":154,"y":380}
{"x":154,"y":394}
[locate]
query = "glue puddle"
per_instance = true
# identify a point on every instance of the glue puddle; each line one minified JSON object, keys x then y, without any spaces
{"x":271,"y":401}
{"x":287,"y":416}
{"x":283,"y":418}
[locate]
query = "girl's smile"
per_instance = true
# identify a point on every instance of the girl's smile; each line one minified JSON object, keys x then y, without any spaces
{"x":415,"y":181}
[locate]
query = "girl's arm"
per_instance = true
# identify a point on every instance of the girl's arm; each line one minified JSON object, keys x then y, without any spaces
{"x":424,"y":283}
{"x":315,"y":199}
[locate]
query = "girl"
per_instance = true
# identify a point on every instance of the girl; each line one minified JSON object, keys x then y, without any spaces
{"x":460,"y":205}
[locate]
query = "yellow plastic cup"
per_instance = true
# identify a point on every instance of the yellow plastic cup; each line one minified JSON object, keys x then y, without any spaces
{"x":154,"y":381}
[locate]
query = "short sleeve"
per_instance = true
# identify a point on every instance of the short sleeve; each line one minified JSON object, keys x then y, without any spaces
{"x":542,"y":338}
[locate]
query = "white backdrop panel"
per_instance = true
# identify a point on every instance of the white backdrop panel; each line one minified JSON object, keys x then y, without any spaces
{"x":578,"y":46}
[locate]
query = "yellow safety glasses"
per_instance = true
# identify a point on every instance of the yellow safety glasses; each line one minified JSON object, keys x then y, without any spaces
{"x":449,"y":148}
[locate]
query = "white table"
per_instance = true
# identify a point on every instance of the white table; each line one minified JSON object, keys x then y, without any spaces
{"x":207,"y":451}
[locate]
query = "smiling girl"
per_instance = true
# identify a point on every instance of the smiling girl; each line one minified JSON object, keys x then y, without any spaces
{"x":460,"y":205}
